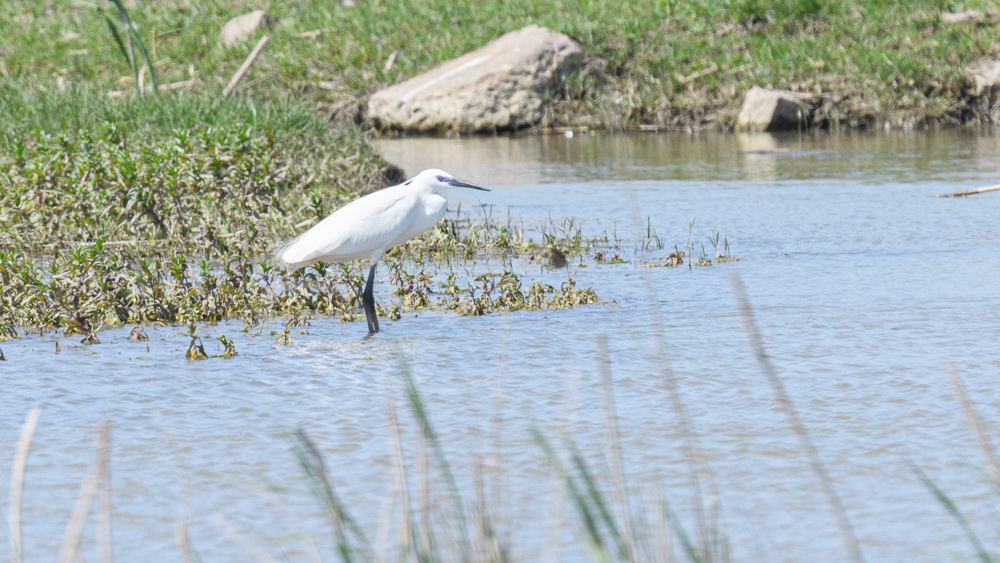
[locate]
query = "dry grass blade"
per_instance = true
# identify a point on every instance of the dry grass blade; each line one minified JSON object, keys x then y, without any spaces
{"x":246,"y":543}
{"x":597,"y":499}
{"x":180,"y":530}
{"x":245,"y":67}
{"x":385,"y":521}
{"x":781,"y":396}
{"x":427,"y":430}
{"x":975,"y":424}
{"x":425,"y":543}
{"x":104,"y":542}
{"x":662,"y":532}
{"x":709,"y":532}
{"x":401,"y":480}
{"x":480,"y":531}
{"x":593,"y":540}
{"x":613,"y":448}
{"x":69,"y":550}
{"x":311,"y":461}
{"x":17,"y":482}
{"x":688,"y":546}
{"x":952,"y":509}
{"x":501,"y":488}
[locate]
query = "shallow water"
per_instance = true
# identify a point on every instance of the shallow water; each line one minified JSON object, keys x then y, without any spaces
{"x":863,"y":285}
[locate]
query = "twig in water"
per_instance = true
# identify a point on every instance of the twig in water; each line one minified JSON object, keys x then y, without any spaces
{"x":971,"y":192}
{"x":245,"y":67}
{"x":750,"y":326}
{"x":17,"y":481}
{"x":975,"y":425}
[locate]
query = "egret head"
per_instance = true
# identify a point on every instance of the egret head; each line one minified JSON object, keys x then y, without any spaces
{"x":438,"y":180}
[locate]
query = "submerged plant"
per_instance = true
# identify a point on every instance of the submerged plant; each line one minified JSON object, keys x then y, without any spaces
{"x":196,"y":350}
{"x":228,"y":347}
{"x":137,"y":334}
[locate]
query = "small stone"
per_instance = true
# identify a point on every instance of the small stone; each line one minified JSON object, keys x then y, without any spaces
{"x":69,"y":36}
{"x":773,"y":110}
{"x":241,"y":27}
{"x":985,"y":75}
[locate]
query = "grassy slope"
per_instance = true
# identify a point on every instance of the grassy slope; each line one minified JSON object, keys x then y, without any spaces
{"x":865,"y":58}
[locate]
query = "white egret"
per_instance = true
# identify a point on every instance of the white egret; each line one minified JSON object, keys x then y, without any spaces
{"x":370,"y":225}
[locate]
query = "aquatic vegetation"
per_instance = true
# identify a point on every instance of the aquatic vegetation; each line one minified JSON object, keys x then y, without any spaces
{"x":196,"y":350}
{"x":228,"y":347}
{"x":138,"y":334}
{"x":100,"y":230}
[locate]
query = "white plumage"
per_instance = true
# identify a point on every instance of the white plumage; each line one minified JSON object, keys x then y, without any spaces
{"x":368,"y":226}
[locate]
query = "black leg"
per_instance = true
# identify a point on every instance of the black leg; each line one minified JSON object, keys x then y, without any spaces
{"x":368,"y":300}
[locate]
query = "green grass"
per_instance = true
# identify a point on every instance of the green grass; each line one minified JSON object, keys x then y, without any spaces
{"x":872,"y":60}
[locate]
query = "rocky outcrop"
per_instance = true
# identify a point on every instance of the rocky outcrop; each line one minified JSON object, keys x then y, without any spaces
{"x":241,"y":27}
{"x":502,"y":86}
{"x":985,"y":76}
{"x":773,"y":110}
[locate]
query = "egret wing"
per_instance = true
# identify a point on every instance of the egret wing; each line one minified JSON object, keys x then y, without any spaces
{"x":354,"y":231}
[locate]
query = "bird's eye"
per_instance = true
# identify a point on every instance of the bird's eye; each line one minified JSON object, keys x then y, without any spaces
{"x":443,"y":178}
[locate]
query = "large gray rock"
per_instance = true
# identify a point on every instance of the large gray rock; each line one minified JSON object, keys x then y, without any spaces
{"x":241,"y":27}
{"x":985,"y":75}
{"x":773,"y":110}
{"x":501,"y":86}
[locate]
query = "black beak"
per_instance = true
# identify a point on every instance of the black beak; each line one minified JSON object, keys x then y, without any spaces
{"x":456,"y":183}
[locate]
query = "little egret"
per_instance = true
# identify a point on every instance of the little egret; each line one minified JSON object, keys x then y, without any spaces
{"x":370,"y":225}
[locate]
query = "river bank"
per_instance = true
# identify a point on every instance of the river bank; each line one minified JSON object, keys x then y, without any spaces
{"x":868,"y":64}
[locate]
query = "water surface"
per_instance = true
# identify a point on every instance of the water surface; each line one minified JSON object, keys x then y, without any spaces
{"x":863,"y":284}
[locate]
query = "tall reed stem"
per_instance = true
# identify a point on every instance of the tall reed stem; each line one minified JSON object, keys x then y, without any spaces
{"x":785,"y":402}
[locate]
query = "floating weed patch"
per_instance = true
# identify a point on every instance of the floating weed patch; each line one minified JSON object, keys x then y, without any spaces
{"x":87,"y":287}
{"x":100,"y":230}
